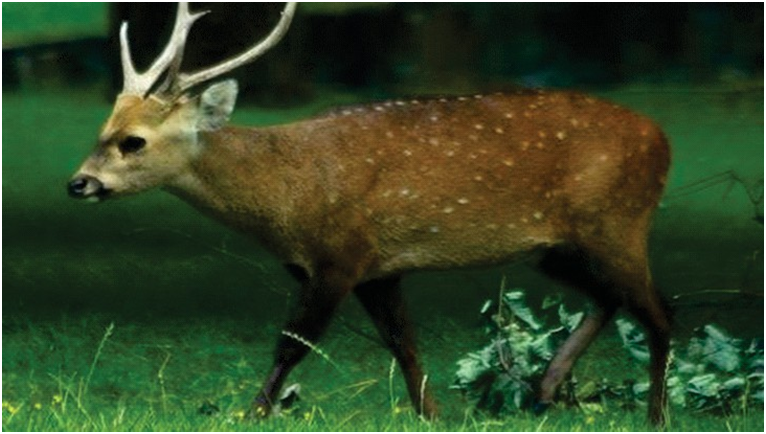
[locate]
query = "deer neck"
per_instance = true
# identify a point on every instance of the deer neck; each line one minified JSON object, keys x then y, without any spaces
{"x":242,"y":178}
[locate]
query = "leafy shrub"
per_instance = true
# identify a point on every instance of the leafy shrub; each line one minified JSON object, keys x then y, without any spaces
{"x":714,"y":371}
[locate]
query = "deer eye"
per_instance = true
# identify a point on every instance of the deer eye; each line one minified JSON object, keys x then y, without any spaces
{"x":131,"y":144}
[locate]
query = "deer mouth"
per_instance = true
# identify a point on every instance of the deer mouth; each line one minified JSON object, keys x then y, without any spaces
{"x":87,"y":187}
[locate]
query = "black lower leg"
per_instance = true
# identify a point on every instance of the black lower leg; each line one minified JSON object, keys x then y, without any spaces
{"x":315,"y":307}
{"x":656,"y":320}
{"x":383,"y":300}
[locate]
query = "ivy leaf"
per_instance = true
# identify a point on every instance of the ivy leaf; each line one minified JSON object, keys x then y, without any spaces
{"x":516,"y":303}
{"x":633,"y":340}
{"x":720,"y":350}
{"x":570,"y":321}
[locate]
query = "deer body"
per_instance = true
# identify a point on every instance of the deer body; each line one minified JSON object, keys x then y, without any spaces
{"x":353,"y":199}
{"x":425,"y":186}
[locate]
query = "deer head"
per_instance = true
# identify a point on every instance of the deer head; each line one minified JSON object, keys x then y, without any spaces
{"x":154,"y":130}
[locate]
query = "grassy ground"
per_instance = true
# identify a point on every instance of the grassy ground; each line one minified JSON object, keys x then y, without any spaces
{"x":196,"y":309}
{"x":68,"y":374}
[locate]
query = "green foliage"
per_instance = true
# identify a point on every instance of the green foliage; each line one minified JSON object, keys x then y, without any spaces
{"x":500,"y":376}
{"x":714,"y":372}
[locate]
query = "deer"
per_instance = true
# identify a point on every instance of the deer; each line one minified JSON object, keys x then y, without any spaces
{"x":352,"y":199}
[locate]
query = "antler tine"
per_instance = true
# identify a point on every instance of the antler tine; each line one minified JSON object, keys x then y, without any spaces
{"x":186,"y":81}
{"x":140,"y":84}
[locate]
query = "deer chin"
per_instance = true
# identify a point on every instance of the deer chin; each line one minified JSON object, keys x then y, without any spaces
{"x":98,"y":196}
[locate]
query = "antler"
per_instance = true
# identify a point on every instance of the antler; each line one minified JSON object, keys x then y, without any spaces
{"x":139,"y":84}
{"x":170,"y":59}
{"x":186,"y":81}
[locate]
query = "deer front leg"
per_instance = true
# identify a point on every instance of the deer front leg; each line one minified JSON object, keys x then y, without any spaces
{"x":317,"y":301}
{"x":383,"y":300}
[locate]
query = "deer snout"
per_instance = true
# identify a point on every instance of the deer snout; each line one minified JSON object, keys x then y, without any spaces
{"x":86,"y":186}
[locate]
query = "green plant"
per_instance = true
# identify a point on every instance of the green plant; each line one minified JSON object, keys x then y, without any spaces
{"x":714,"y":372}
{"x":500,"y":376}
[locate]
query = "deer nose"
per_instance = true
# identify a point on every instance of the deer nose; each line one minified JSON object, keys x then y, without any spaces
{"x":85,"y":186}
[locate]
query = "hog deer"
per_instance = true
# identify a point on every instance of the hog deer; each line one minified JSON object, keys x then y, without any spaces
{"x":353,"y":199}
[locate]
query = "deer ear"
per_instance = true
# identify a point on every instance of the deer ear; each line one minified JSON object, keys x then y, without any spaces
{"x":216,"y":104}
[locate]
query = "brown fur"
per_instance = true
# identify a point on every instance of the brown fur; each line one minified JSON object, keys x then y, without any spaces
{"x":469,"y":188}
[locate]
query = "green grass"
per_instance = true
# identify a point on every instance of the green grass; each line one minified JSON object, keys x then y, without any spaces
{"x":75,"y":374}
{"x":197,"y":309}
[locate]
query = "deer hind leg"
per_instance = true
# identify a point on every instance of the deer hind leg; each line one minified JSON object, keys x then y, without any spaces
{"x":626,"y":264}
{"x":382,"y":299}
{"x":317,"y":301}
{"x":646,"y":305}
{"x":575,"y":268}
